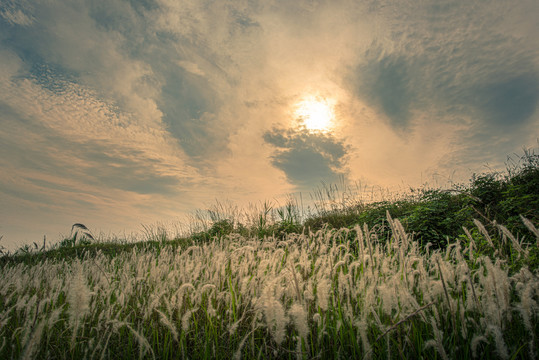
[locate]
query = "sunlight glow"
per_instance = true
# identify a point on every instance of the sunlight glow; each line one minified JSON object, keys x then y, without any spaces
{"x":315,"y":114}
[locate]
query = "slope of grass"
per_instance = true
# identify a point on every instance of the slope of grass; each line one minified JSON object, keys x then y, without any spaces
{"x":445,"y":280}
{"x":333,"y":293}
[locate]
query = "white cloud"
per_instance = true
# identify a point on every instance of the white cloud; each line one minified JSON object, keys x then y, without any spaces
{"x":16,"y":17}
{"x":191,"y":67}
{"x":10,"y":64}
{"x":100,"y":58}
{"x":17,"y":13}
{"x":79,"y":115}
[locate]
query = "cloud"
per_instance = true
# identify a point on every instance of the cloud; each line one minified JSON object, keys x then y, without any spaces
{"x":401,"y":85}
{"x":307,"y":158}
{"x":10,"y":65}
{"x":81,"y":124}
{"x":388,"y":84}
{"x":66,"y":37}
{"x":133,"y":108}
{"x":72,"y":154}
{"x":191,"y":67}
{"x":189,"y":104}
{"x":16,"y":14}
{"x":507,"y":101}
{"x":457,"y":66}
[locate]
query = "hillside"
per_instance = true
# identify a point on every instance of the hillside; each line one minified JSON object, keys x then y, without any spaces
{"x":439,"y":273}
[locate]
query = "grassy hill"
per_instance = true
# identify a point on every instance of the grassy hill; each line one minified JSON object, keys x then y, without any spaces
{"x":435,"y":274}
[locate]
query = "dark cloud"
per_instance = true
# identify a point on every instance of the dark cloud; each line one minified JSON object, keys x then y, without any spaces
{"x":387,"y":84}
{"x":187,"y":103}
{"x":507,"y":101}
{"x":459,"y":62}
{"x":307,"y":158}
{"x":489,"y":84}
{"x":20,"y":193}
{"x":124,"y":171}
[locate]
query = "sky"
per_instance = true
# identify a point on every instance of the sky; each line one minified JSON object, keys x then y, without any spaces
{"x":122,"y":114}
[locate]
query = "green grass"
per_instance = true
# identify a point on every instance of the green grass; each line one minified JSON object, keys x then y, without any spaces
{"x":445,"y":280}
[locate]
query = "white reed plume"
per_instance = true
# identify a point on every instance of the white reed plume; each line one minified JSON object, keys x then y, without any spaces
{"x":363,"y":328}
{"x":299,"y":318}
{"x":323,"y":289}
{"x":527,"y":286}
{"x":483,"y":231}
{"x":237,"y":353}
{"x":186,"y":318}
{"x":476,"y":340}
{"x":531,"y":227}
{"x":437,"y":342}
{"x":165,"y":321}
{"x":78,"y":298}
{"x":274,"y":313}
{"x":143,"y":342}
{"x":180,"y":293}
{"x":514,"y":241}
{"x":501,"y":347}
{"x":33,"y":342}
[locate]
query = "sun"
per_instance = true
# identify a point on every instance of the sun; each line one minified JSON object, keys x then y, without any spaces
{"x":315,"y":114}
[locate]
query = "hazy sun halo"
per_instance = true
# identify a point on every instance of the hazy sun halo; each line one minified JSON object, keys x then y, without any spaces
{"x":315,"y":114}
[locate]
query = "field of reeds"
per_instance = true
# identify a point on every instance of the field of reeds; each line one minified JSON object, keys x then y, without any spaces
{"x":374,"y":288}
